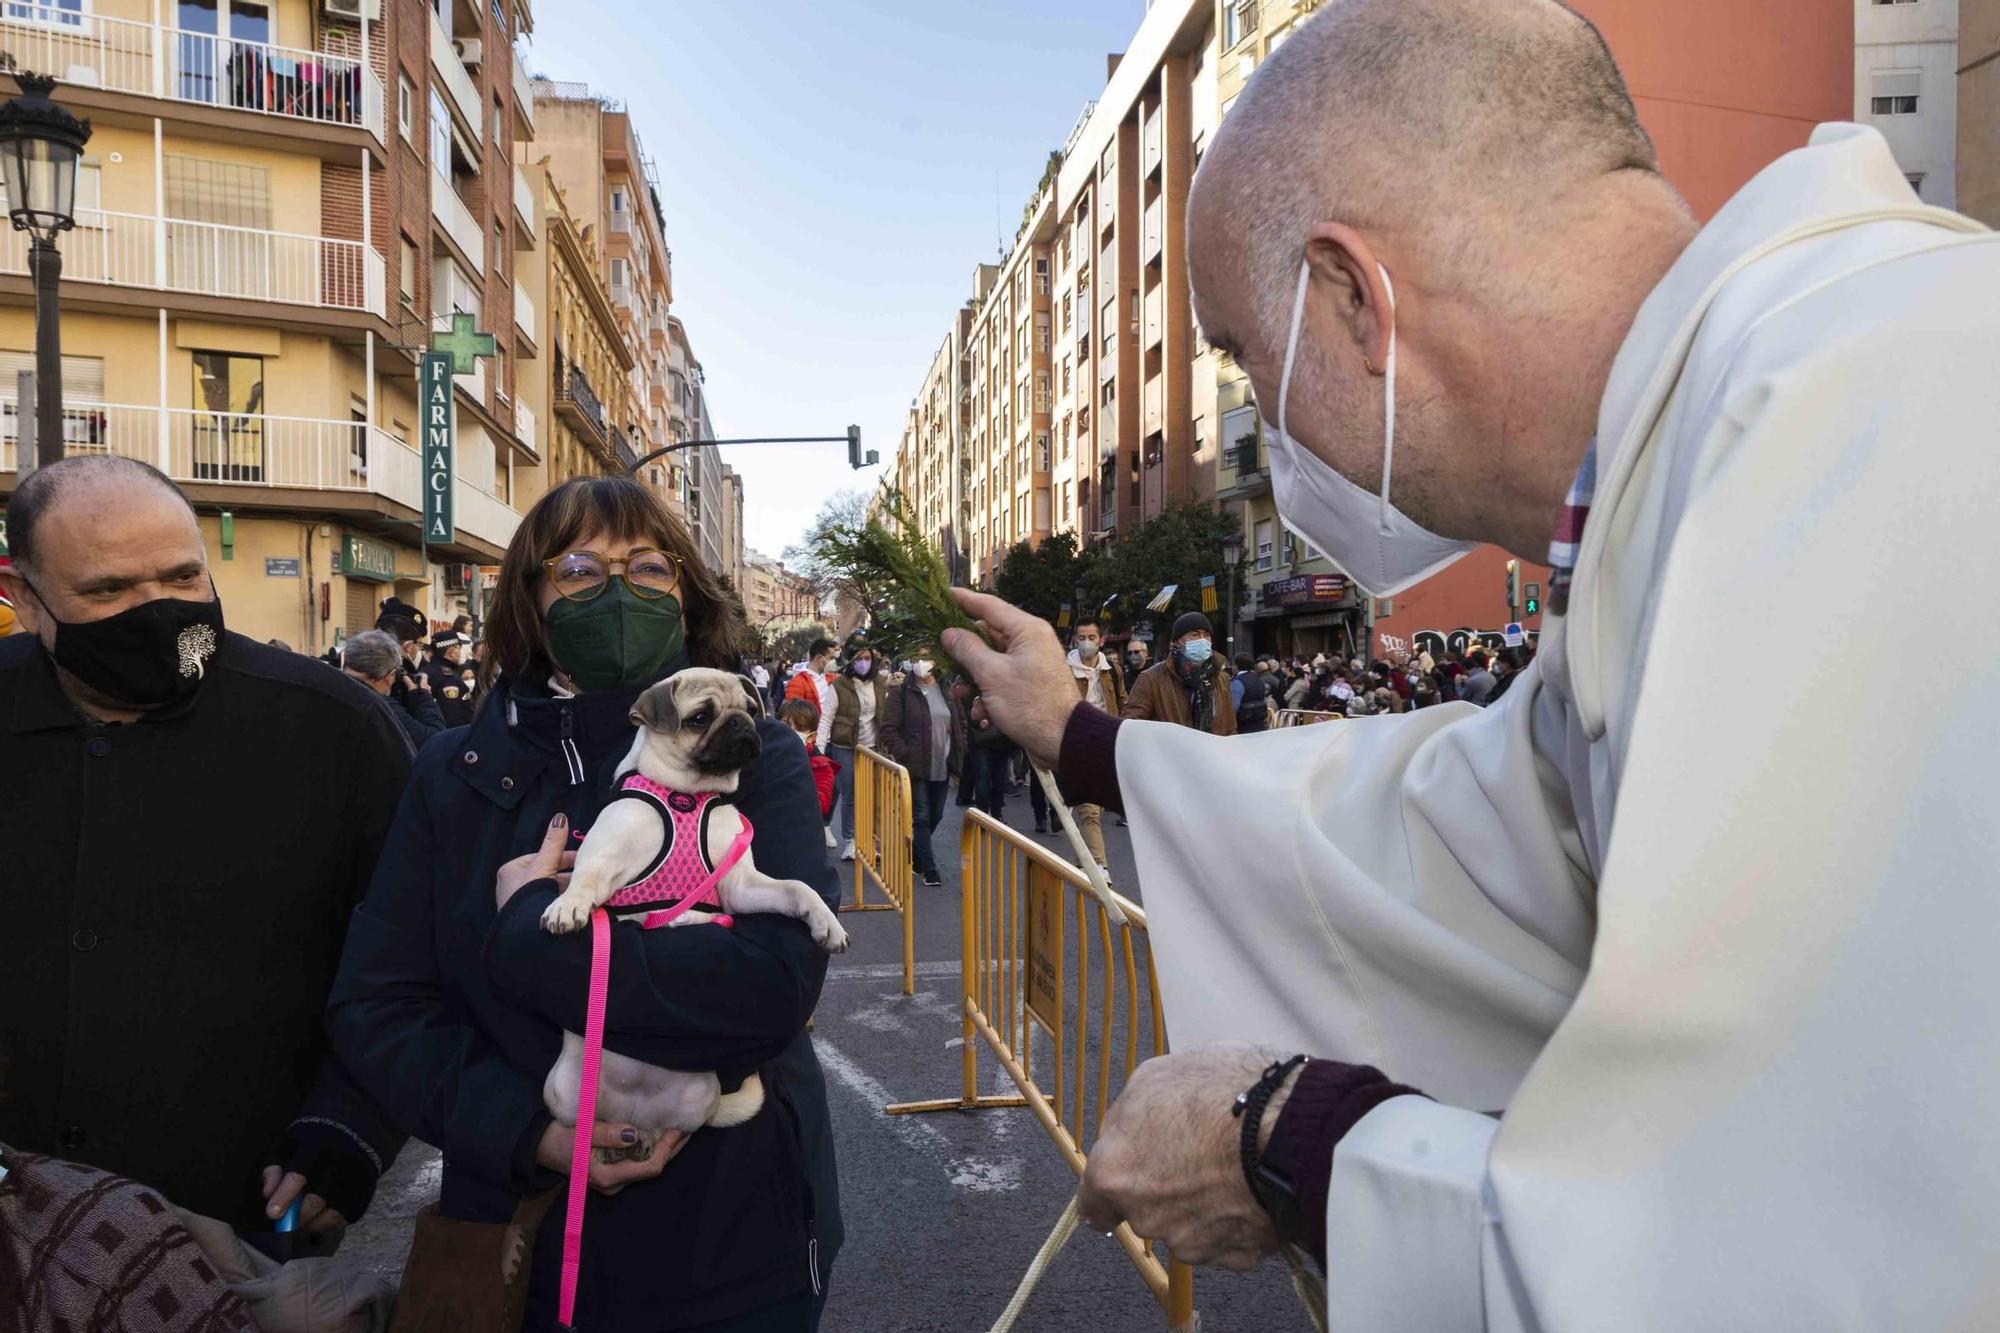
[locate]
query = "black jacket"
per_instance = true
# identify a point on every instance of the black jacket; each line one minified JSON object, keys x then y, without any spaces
{"x":454,"y":700}
{"x":452,"y":1015}
{"x":904,"y":729}
{"x":173,"y":898}
{"x":416,"y":712}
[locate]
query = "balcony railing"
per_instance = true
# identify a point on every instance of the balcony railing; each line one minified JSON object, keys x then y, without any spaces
{"x":524,"y":312}
{"x":622,"y":450}
{"x":524,"y":96}
{"x":573,"y":393}
{"x":444,"y":59}
{"x":524,"y":202}
{"x":457,"y":220}
{"x":524,"y":424}
{"x":123,"y":55}
{"x":171,"y":254}
{"x":260,"y":450}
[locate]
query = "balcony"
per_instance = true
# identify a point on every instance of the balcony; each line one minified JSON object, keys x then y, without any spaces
{"x":524,"y":98}
{"x":577,"y":403}
{"x":622,"y":450}
{"x":126,"y":56}
{"x":458,"y":223}
{"x":1243,"y":475}
{"x":525,"y":210}
{"x":208,"y":259}
{"x":464,"y":97}
{"x":524,"y":319}
{"x":273,"y":453}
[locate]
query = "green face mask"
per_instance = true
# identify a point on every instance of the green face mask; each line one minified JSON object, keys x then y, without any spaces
{"x":615,"y":639}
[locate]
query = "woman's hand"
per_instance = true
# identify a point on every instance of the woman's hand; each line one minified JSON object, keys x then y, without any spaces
{"x":552,"y":860}
{"x":557,"y":1143}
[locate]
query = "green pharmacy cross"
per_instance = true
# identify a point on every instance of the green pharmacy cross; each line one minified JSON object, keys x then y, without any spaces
{"x":464,"y":344}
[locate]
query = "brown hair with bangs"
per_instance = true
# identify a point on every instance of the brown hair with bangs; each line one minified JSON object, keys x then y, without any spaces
{"x":629,"y":511}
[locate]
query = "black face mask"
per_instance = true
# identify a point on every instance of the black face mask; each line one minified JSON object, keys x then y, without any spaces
{"x":148,"y":656}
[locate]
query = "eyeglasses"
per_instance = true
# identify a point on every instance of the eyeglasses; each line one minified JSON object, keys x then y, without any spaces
{"x":581,"y":575}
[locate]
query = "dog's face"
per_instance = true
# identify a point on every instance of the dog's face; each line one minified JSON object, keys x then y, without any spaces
{"x":703,"y":720}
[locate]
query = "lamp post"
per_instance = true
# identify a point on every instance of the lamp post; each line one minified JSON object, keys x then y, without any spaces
{"x":39,"y":147}
{"x":1232,"y":556}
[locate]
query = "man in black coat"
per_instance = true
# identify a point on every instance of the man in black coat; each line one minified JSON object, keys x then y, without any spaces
{"x":191,"y":817}
{"x":445,"y":671}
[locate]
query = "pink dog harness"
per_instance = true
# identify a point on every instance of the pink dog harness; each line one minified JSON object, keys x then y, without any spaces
{"x":679,"y":878}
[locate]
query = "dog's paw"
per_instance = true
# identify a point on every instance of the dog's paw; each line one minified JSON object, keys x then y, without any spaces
{"x":566,"y":914}
{"x":830,"y":935}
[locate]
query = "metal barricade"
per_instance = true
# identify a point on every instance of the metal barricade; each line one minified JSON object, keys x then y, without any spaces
{"x":1299,"y":717}
{"x":882,"y":847}
{"x":1028,"y":920}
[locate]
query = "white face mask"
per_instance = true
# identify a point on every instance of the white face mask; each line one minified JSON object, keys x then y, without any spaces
{"x":922,"y":666}
{"x":1381,"y":548}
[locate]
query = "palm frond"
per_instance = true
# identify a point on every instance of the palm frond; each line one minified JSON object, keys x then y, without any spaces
{"x":908,"y":586}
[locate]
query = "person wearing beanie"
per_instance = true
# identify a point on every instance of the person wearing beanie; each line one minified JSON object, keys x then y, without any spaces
{"x":1185,"y":686}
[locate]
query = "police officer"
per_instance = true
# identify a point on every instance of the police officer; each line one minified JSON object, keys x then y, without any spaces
{"x":446,"y":673}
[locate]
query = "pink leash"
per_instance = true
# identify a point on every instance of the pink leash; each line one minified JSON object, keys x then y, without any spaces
{"x":593,"y":1057}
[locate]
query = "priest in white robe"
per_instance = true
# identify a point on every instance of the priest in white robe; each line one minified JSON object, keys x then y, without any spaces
{"x":1647,"y":998}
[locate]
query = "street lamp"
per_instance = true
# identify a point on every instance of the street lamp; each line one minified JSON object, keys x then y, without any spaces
{"x":1232,"y":556}
{"x":39,"y":147}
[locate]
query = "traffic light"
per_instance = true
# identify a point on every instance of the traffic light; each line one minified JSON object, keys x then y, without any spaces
{"x":854,"y":455}
{"x":1513,"y":584}
{"x":1534,"y":600}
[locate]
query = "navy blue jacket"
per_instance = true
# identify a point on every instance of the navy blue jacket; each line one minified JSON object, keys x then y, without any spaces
{"x":452,"y":1014}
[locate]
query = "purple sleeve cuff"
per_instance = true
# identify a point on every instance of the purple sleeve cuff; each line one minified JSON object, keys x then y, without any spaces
{"x":1087,"y":767}
{"x":1329,"y":1099}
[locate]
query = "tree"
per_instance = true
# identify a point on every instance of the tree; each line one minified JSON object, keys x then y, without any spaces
{"x":1040,"y":579}
{"x":842,"y":515}
{"x":1179,"y":547}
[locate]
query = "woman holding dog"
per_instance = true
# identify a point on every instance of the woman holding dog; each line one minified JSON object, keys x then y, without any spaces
{"x":452,"y":1001}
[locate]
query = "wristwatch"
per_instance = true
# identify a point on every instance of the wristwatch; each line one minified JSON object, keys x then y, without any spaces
{"x":1270,"y":1171}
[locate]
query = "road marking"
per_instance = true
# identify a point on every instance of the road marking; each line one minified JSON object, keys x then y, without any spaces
{"x":917,"y":1133}
{"x":886,"y":971}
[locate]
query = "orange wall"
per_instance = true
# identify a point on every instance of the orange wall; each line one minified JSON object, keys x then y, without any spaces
{"x":1725,"y":88}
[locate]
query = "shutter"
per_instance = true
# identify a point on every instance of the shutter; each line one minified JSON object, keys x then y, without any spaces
{"x":1897,"y":82}
{"x":83,"y":376}
{"x":360,"y":606}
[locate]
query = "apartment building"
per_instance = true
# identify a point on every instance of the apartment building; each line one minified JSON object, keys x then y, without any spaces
{"x":774,"y":598}
{"x":941,"y":493}
{"x":1905,"y":85}
{"x":1977,"y":156}
{"x":599,"y":164}
{"x":698,"y":470}
{"x":731,"y":517}
{"x":587,"y":355}
{"x":279,"y":202}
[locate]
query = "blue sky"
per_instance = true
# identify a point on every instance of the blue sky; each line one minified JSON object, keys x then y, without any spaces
{"x":828,"y":169}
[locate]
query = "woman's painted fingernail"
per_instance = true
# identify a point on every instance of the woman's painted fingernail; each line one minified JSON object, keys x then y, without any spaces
{"x":628,"y":1136}
{"x":560,"y":820}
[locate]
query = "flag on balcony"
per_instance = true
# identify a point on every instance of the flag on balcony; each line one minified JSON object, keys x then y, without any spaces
{"x":1104,"y":612}
{"x":1166,"y":597}
{"x":1208,"y":599}
{"x":1063,"y":616}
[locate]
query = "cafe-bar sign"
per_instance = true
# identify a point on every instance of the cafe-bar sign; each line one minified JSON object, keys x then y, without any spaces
{"x":439,"y":435}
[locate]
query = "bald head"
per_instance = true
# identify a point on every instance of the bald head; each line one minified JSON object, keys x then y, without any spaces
{"x":1425,"y":120}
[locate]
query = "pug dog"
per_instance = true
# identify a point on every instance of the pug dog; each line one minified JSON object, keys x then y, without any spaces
{"x":697,"y":729}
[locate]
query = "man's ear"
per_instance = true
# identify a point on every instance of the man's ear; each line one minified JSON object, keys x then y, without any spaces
{"x":750,"y":693}
{"x":655,"y":709}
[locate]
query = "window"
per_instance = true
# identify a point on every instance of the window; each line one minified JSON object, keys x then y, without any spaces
{"x":84,"y":422}
{"x":357,"y":436}
{"x":1895,"y":2}
{"x":228,"y":421}
{"x":1263,"y":546}
{"x":1200,"y":435}
{"x":499,"y":126}
{"x":1893,"y":92}
{"x":406,"y":273}
{"x":405,"y":104}
{"x":1110,"y":158}
{"x":440,"y":136}
{"x":1042,"y":396}
{"x":55,"y":13}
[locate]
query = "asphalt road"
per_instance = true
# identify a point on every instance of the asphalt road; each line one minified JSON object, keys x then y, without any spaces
{"x":945,"y":1210}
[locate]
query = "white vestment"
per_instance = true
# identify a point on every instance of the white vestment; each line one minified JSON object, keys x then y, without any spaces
{"x":1709,"y":902}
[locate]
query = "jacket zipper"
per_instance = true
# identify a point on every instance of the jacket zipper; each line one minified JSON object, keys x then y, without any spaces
{"x":570,"y":755}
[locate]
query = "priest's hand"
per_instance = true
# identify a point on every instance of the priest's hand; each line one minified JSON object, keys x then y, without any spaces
{"x":1026,"y":683}
{"x":1168,"y":1158}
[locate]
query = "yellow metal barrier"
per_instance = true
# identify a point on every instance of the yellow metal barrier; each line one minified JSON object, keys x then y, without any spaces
{"x":1299,"y":717}
{"x":882,"y":847}
{"x":1028,"y":922}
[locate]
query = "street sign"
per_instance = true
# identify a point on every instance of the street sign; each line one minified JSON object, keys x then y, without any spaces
{"x":1513,"y":635}
{"x":464,"y":344}
{"x":281,"y":567}
{"x":368,"y":560}
{"x":434,"y":372}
